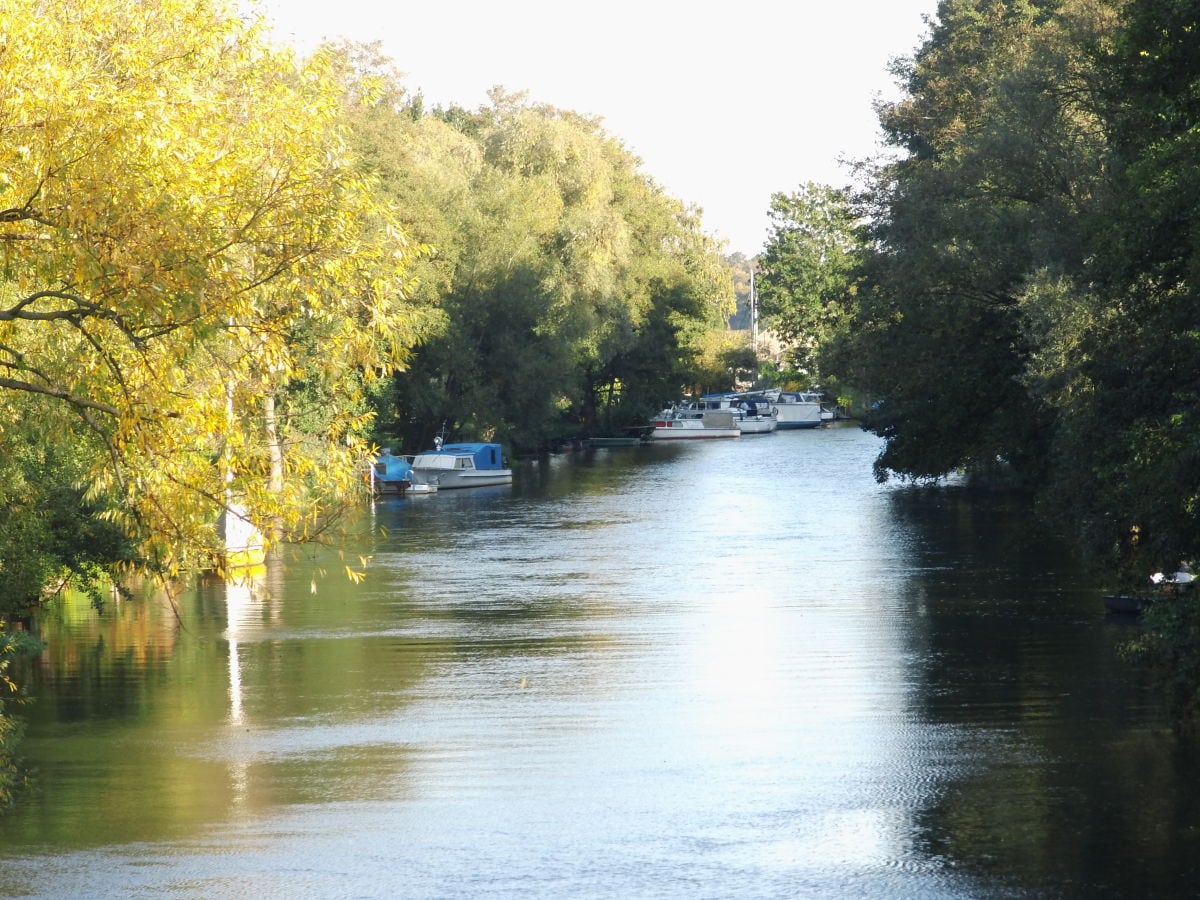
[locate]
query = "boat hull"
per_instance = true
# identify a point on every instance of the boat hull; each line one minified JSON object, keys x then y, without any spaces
{"x":758,"y":424}
{"x":667,"y":433}
{"x":449,"y":479}
{"x":1127,"y":604}
{"x":464,"y":465}
{"x":691,"y":425}
{"x":402,"y":488}
{"x":799,"y":415}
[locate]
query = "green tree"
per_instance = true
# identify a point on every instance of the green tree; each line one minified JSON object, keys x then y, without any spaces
{"x":554,"y":258}
{"x":1002,"y":150}
{"x":806,"y":285}
{"x":1130,"y":385}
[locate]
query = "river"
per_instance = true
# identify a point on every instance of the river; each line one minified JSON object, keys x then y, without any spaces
{"x":703,"y":670}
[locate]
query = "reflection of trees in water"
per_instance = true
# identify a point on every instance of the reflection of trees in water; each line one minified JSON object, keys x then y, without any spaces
{"x":980,"y":532}
{"x":84,"y":648}
{"x":1067,"y":772}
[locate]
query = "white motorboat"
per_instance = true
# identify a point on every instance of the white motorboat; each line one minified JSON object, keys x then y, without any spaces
{"x":753,"y":416}
{"x":687,"y":423}
{"x":461,"y":466}
{"x":794,"y":409}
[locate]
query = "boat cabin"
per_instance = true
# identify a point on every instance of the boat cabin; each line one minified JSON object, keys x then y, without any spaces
{"x":481,"y":457}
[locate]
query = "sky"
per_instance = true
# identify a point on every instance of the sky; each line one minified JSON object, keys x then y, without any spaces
{"x":724,"y":104}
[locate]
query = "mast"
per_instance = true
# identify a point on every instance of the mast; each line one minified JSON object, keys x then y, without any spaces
{"x":753,"y":314}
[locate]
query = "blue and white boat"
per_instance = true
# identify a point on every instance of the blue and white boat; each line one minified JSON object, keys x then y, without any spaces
{"x":461,"y":466}
{"x":391,"y":474}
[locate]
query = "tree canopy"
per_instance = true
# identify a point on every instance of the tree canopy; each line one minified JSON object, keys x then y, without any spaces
{"x":1029,"y":303}
{"x":575,"y":294}
{"x":809,"y":268}
{"x":228,"y":269}
{"x":184,"y":235}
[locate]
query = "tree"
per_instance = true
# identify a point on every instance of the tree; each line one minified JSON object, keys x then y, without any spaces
{"x":1129,"y":388}
{"x":1003,"y":149}
{"x":806,"y":285}
{"x":554,"y":256}
{"x":49,"y":534}
{"x":179,"y":214}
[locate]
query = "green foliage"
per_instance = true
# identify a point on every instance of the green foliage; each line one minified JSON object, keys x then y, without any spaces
{"x":562,"y":274}
{"x":1031,"y":298}
{"x":992,"y":200}
{"x":1168,"y":647}
{"x":13,"y":644}
{"x":49,"y":533}
{"x":1127,"y":346}
{"x":806,"y":285}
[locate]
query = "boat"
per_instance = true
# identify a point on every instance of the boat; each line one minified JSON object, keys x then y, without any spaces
{"x":1177,"y":580}
{"x":1162,"y":585}
{"x":634,"y":436}
{"x":461,"y":465}
{"x":797,"y":409}
{"x":688,"y":423}
{"x":790,"y":409}
{"x":757,"y":417}
{"x":753,"y":415}
{"x":390,"y":474}
{"x":757,"y":423}
{"x":1127,"y":604}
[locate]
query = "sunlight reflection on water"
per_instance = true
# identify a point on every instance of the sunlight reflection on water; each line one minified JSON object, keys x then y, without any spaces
{"x":694,"y":671}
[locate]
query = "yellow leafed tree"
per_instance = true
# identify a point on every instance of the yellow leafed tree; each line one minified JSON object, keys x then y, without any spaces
{"x":184,"y":239}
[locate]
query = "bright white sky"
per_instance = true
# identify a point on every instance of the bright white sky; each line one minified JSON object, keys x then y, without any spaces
{"x":724,"y":104}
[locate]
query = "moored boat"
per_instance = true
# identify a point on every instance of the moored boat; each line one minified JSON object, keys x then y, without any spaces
{"x":790,"y":409}
{"x":461,"y":465}
{"x":390,"y":474}
{"x":687,"y":423}
{"x":797,"y":409}
{"x":753,"y":416}
{"x":1162,"y":585}
{"x":1127,"y":604}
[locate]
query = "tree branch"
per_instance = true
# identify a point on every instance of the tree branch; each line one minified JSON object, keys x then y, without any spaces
{"x":59,"y":393}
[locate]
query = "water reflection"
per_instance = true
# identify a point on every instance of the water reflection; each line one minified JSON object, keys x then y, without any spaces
{"x":1065,"y":741}
{"x":741,"y":669}
{"x":244,"y":594}
{"x":243,"y":591}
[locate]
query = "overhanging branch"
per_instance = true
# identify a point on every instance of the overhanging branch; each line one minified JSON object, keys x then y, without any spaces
{"x":15,"y":384}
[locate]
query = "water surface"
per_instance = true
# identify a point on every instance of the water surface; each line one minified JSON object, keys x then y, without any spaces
{"x":733,"y":668}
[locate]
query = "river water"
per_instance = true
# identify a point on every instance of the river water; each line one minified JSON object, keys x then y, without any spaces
{"x":703,"y":670}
